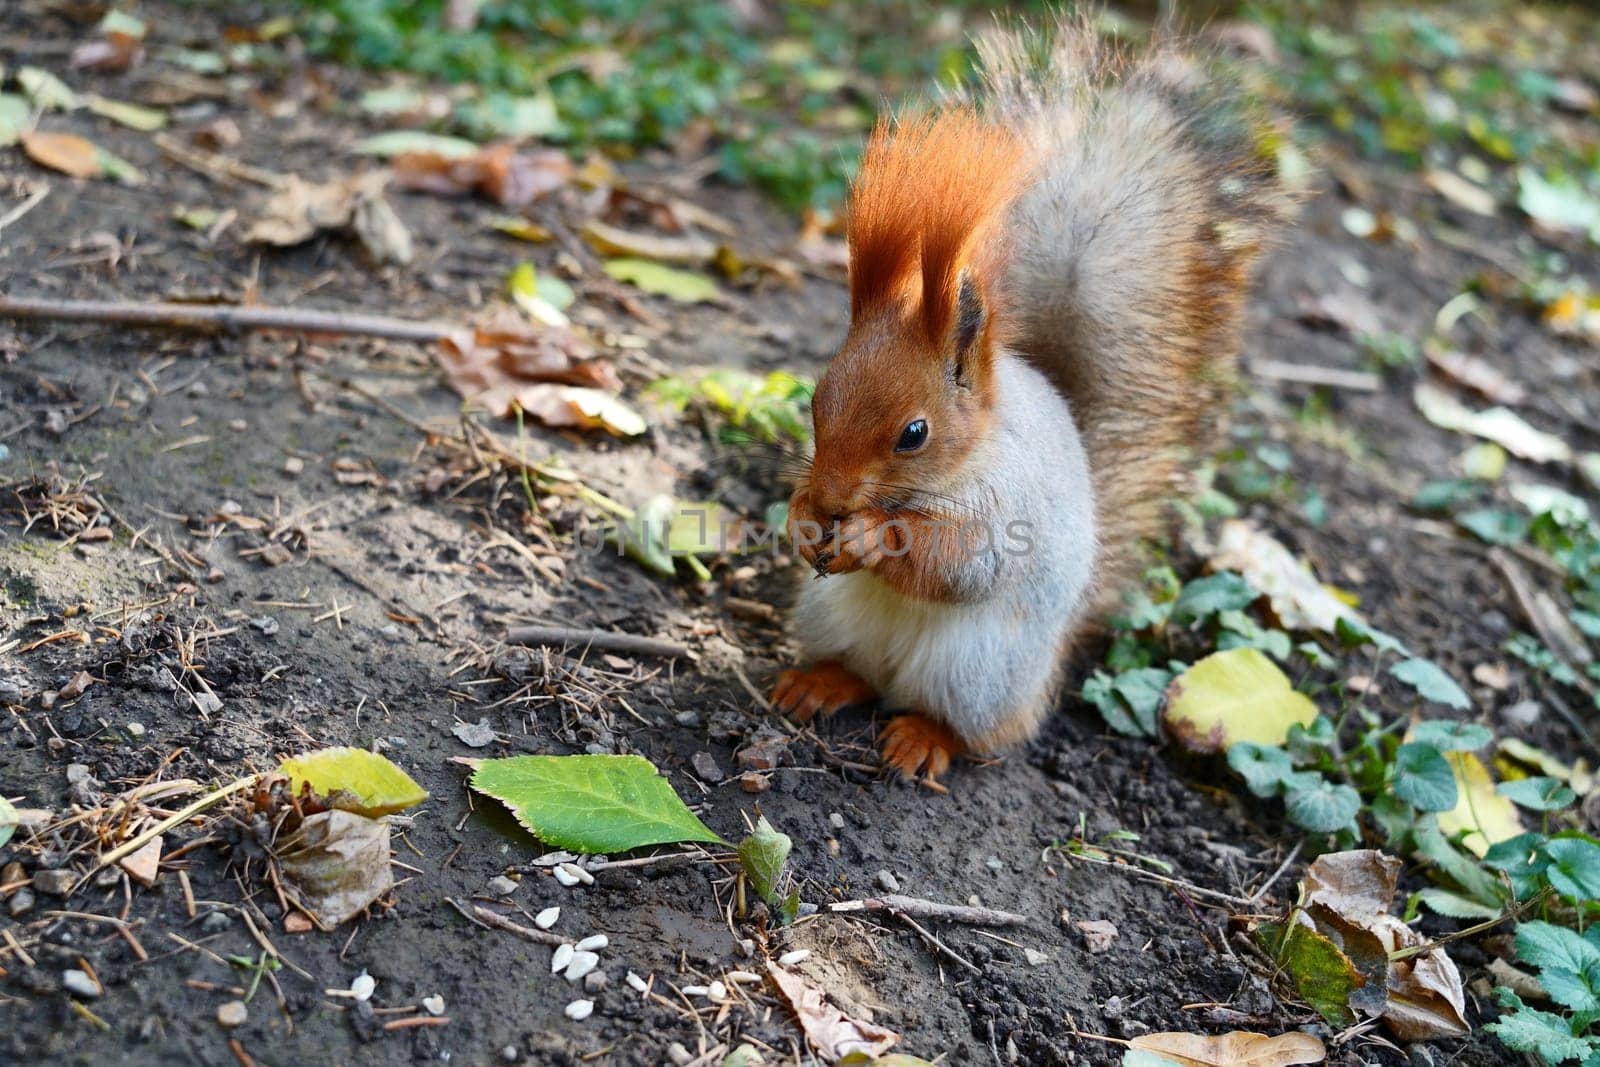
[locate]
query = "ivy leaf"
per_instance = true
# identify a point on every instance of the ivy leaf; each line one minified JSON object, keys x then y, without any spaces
{"x":1352,"y":633}
{"x":1264,"y":768}
{"x":1423,"y":778}
{"x":1448,"y":736}
{"x":762,"y":855}
{"x":1322,"y":806}
{"x":1574,"y":870}
{"x":1143,"y":689}
{"x":1100,"y":690}
{"x":353,"y":779}
{"x":1538,"y":793}
{"x":1495,"y":526}
{"x":1525,"y":1029}
{"x":1212,"y":595}
{"x":591,"y":804}
{"x":1431,"y":682}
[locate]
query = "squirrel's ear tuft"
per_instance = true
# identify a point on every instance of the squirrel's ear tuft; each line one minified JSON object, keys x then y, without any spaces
{"x":970,"y":318}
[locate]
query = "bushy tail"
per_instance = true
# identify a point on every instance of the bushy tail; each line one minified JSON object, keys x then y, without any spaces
{"x":1132,"y":253}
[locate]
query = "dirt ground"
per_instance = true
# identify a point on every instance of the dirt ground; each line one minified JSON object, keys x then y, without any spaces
{"x":381,"y":627}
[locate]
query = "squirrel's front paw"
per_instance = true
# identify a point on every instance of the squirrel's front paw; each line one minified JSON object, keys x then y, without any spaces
{"x":862,"y":542}
{"x":819,"y":690}
{"x":913,"y":743}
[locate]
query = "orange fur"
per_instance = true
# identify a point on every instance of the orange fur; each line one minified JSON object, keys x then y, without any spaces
{"x":929,"y":192}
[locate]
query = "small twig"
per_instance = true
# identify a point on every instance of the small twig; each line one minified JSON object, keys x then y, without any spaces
{"x":943,"y":948}
{"x":32,"y":201}
{"x":1171,"y":883}
{"x":218,"y":167}
{"x":1477,"y":928}
{"x":484,"y":917}
{"x":1294,"y":854}
{"x":222,"y":317}
{"x":1304,"y":374}
{"x":130,"y":847}
{"x":567,"y":638}
{"x":918,"y":908}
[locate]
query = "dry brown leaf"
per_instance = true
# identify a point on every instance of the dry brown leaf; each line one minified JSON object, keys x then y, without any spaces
{"x":65,"y":152}
{"x":1476,"y":374}
{"x":1298,"y":600}
{"x":499,"y":172}
{"x":614,"y":241}
{"x":829,"y":1031}
{"x":337,"y":862}
{"x":113,"y":53}
{"x":1346,"y":312}
{"x":1238,"y":1049}
{"x":301,"y":209}
{"x":1426,"y":1001}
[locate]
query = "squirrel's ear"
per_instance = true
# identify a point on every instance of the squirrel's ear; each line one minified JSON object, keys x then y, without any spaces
{"x":969,"y":321}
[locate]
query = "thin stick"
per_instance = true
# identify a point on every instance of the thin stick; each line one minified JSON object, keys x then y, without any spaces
{"x":1173,"y":883}
{"x":936,"y":943}
{"x":917,"y":908}
{"x":566,"y":637}
{"x":1303,"y":374}
{"x":40,"y":191}
{"x":222,"y":317}
{"x":485,"y":917}
{"x":1294,"y":854}
{"x":130,"y":847}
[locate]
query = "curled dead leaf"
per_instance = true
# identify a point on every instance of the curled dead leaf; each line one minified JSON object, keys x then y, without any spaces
{"x":1238,"y":1049}
{"x":829,"y":1031}
{"x":300,"y":210}
{"x":499,"y":172}
{"x":337,"y":862}
{"x":1298,"y":600}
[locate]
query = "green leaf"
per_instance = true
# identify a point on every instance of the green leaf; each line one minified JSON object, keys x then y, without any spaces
{"x":1322,"y":807}
{"x":1539,"y":793}
{"x":46,"y":91}
{"x":1205,"y":597}
{"x":1454,"y":905}
{"x":1143,"y":688}
{"x":1423,"y":778}
{"x":354,"y":779}
{"x":14,"y":116}
{"x":1445,"y":495}
{"x":501,"y":115}
{"x":1448,"y":736}
{"x":591,"y":804}
{"x":1100,"y":690}
{"x":762,"y":855}
{"x":1465,"y":872}
{"x":1559,"y":203}
{"x":399,"y":142}
{"x":1263,"y":767}
{"x":1546,"y":945}
{"x":1574,"y":870}
{"x":1525,"y":1029}
{"x":1324,"y":976}
{"x":1495,"y":526}
{"x":9,"y":821}
{"x":1353,"y":633}
{"x":133,"y":116}
{"x":1232,"y":696}
{"x":1431,"y":682}
{"x":661,"y":280}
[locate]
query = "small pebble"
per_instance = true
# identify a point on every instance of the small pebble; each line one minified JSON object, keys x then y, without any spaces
{"x":547,"y":918}
{"x":232,"y":1014}
{"x":594,"y":981}
{"x":789,"y":959}
{"x":501,"y":886}
{"x":1035,"y":957}
{"x":293,"y":465}
{"x":135,"y":730}
{"x":511,"y":1054}
{"x":836,"y":820}
{"x":888,"y":882}
{"x":639,"y":985}
{"x":994,"y":864}
{"x":434,"y":1004}
{"x":54,"y":883}
{"x":562,"y":957}
{"x":580,"y":1010}
{"x":79,"y":982}
{"x":679,"y":1055}
{"x":593,"y":943}
{"x":363,"y":985}
{"x":581,"y":964}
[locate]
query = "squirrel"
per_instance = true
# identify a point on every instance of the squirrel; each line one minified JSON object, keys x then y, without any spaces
{"x":1046,"y":276}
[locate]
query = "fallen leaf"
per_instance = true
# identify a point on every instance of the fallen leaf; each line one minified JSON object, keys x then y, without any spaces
{"x":65,"y":152}
{"x":1347,"y":312}
{"x":301,"y":210}
{"x":1501,"y":425}
{"x":1298,"y":600}
{"x":1231,"y":696}
{"x":1482,"y":815}
{"x":133,"y":116}
{"x":119,"y":46}
{"x":613,"y":241}
{"x":1560,"y":205}
{"x":337,"y":863}
{"x":1476,"y":374}
{"x":353,"y":779}
{"x":1238,"y":1049}
{"x":1426,"y":1001}
{"x":685,"y":286}
{"x":402,"y":142}
{"x":551,"y":374}
{"x":15,"y":116}
{"x":1466,"y":195}
{"x":499,"y":172}
{"x":46,"y":91}
{"x":591,"y":804}
{"x":1322,"y":975}
{"x":829,"y":1031}
{"x":544,"y":298}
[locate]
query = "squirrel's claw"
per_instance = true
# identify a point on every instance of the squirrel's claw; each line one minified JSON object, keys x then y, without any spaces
{"x":821,"y":689}
{"x":913,"y":743}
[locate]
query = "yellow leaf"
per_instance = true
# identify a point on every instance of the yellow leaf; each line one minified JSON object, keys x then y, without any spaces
{"x":1484,"y":816}
{"x":1238,"y":1049}
{"x":652,"y":277}
{"x":353,"y":779}
{"x":1232,"y":696}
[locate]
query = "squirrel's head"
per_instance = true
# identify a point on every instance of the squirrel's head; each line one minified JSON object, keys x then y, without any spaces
{"x":910,"y":392}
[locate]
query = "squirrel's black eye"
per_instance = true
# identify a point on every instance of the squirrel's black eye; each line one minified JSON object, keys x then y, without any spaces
{"x":913,"y":436}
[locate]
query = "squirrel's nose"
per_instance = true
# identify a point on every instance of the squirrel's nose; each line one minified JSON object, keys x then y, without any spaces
{"x":830,"y":499}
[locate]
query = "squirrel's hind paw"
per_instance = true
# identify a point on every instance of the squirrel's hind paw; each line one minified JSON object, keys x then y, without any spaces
{"x":819,"y":690}
{"x":913,"y":743}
